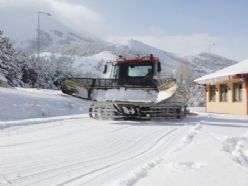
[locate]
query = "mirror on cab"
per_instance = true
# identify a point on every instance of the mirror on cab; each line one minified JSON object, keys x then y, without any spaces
{"x":105,"y":70}
{"x":159,"y":66}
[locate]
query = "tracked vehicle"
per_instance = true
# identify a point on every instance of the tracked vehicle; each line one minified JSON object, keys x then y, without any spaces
{"x":134,"y":90}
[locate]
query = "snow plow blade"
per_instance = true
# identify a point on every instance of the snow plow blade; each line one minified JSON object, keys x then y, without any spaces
{"x":120,"y":90}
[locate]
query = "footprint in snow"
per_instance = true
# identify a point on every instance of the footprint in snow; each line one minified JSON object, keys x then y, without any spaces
{"x":237,"y":147}
{"x":184,"y":166}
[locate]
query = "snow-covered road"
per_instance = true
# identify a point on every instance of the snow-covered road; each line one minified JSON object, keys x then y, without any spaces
{"x":84,"y":151}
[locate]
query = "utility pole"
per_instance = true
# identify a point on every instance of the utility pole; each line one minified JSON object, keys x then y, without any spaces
{"x":38,"y":35}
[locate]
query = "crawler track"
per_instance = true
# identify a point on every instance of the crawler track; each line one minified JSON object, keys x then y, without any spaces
{"x":139,"y":111}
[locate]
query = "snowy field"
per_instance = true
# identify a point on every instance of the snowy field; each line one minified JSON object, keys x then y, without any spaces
{"x":20,"y":103}
{"x":47,"y":139}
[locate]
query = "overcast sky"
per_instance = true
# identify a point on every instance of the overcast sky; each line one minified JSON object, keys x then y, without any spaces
{"x":182,"y":26}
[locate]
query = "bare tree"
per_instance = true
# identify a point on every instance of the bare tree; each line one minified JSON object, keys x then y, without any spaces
{"x":184,"y":78}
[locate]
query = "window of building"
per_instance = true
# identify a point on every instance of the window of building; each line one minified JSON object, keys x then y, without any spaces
{"x":212,"y":93}
{"x":223,"y":93}
{"x":237,"y":92}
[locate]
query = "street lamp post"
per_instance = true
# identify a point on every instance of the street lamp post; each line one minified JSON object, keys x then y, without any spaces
{"x":38,"y":33}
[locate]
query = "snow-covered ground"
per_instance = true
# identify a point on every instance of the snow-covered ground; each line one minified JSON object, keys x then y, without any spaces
{"x":205,"y":149}
{"x":20,"y":103}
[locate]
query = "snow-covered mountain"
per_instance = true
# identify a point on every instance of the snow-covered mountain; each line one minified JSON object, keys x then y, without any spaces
{"x":71,"y":44}
{"x":57,"y":41}
{"x":68,"y":43}
{"x":87,"y":52}
{"x":168,"y":58}
{"x":205,"y":63}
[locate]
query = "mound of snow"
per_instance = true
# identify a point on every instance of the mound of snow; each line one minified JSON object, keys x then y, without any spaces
{"x":23,"y":103}
{"x":238,"y":149}
{"x":137,"y":174}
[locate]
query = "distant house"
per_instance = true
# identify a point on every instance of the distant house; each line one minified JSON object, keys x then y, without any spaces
{"x":227,"y":89}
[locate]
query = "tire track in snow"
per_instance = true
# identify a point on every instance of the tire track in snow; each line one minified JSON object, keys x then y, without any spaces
{"x":141,"y":172}
{"x":122,"y":161}
{"x":100,"y":158}
{"x":43,"y":140}
{"x":91,"y":172}
{"x":22,"y":179}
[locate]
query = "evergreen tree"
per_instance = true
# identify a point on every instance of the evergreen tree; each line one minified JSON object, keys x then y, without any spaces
{"x":8,"y":66}
{"x":15,"y":66}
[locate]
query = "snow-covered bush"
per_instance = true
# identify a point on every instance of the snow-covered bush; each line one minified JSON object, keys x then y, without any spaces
{"x":11,"y":62}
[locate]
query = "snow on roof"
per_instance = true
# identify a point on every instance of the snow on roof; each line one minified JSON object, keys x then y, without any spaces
{"x":224,"y":74}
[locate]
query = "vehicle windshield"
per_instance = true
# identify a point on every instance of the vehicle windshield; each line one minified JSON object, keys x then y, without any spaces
{"x":134,"y":71}
{"x":139,"y":70}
